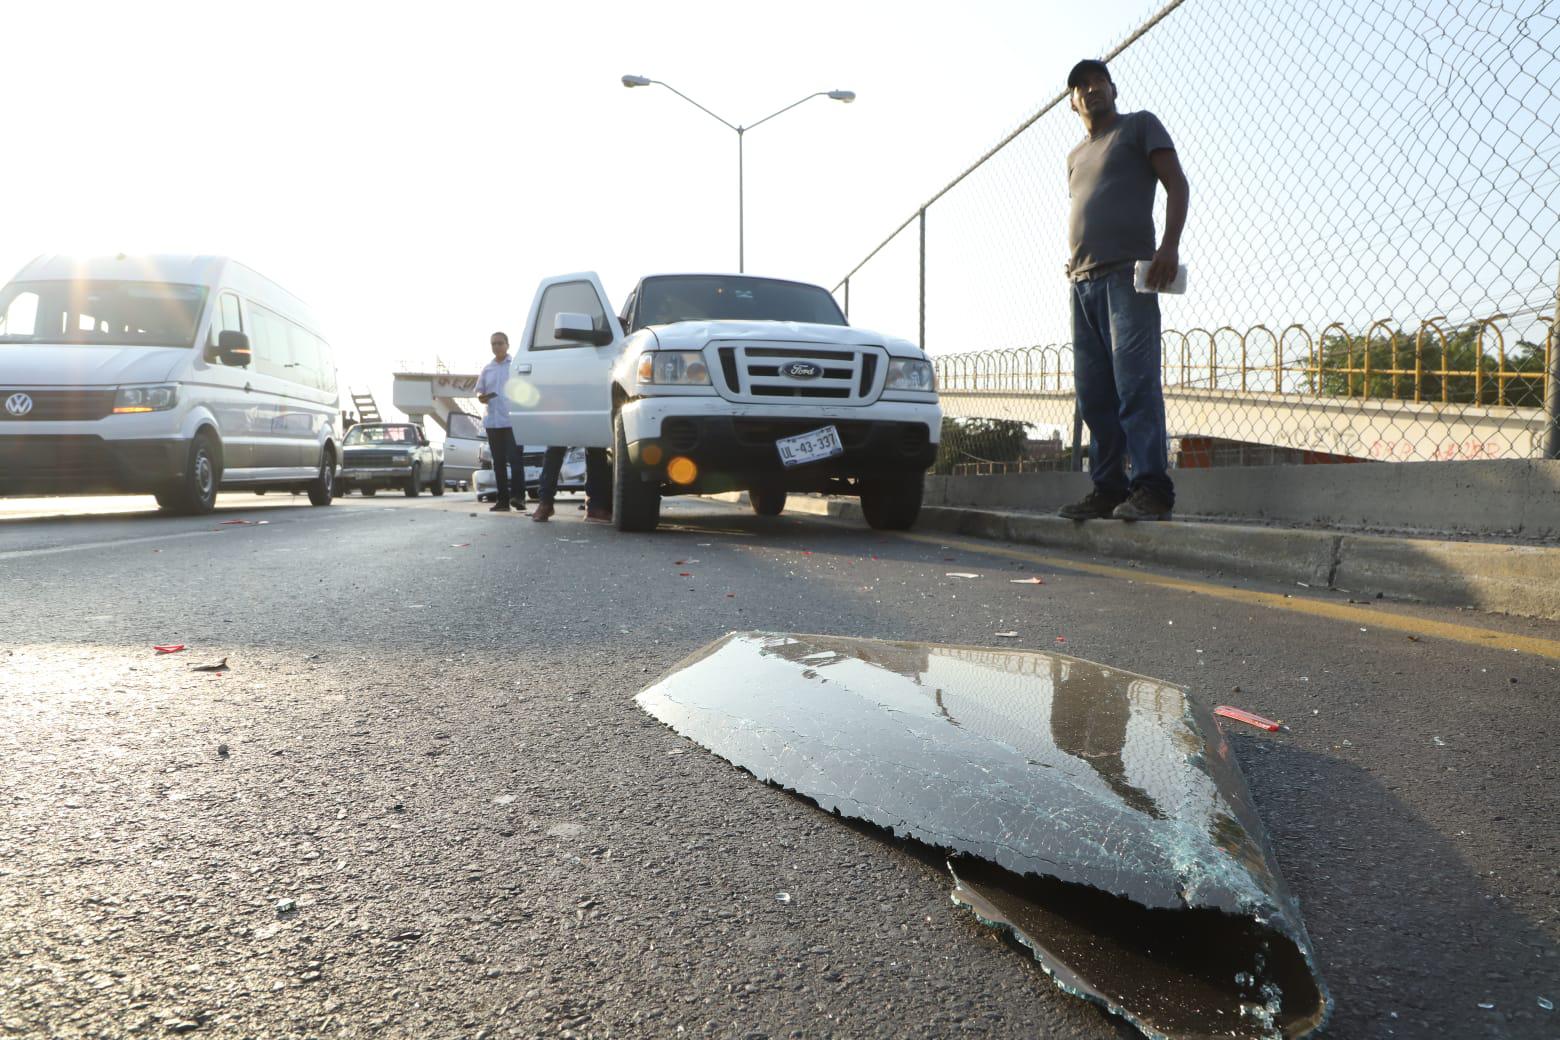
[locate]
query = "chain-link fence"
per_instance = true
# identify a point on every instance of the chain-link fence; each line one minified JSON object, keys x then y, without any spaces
{"x":1373,"y":245}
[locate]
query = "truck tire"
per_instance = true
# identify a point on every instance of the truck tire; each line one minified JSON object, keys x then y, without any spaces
{"x":196,"y":492}
{"x":438,"y":482}
{"x":892,"y":503}
{"x":322,"y":490}
{"x":414,"y":482}
{"x":370,"y":492}
{"x":636,"y":504}
{"x":767,"y":499}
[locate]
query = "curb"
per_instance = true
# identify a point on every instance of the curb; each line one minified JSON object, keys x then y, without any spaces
{"x":1507,"y":579}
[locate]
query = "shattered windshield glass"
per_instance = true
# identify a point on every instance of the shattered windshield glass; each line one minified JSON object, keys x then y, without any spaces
{"x":1078,"y":803}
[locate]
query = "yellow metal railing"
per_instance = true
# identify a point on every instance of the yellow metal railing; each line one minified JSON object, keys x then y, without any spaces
{"x":1331,"y":363}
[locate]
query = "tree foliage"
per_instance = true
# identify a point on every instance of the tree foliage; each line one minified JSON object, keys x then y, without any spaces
{"x":979,"y":440}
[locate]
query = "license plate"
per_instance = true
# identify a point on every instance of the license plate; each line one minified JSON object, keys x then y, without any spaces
{"x":810,"y":447}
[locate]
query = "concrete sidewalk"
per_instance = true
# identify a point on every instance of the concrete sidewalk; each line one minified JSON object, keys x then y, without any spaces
{"x":1502,"y":578}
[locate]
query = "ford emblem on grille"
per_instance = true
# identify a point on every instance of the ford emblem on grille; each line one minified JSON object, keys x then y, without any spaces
{"x":802,"y":370}
{"x":18,"y":405}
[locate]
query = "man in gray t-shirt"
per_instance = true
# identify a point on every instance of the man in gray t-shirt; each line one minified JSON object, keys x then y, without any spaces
{"x":1111,"y":177}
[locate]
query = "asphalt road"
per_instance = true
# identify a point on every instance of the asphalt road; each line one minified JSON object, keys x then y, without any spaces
{"x":440,"y":813}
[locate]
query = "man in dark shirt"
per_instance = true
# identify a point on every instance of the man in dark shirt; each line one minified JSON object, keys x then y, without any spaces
{"x":1111,"y":177}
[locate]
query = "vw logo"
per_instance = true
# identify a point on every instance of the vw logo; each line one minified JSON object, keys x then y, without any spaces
{"x":801,"y":370}
{"x":18,"y":405}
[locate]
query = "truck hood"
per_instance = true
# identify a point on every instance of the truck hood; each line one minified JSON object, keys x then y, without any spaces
{"x":79,"y":365}
{"x":694,"y":335}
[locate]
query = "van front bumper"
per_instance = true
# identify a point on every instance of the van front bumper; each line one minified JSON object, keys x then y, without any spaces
{"x":66,"y":464}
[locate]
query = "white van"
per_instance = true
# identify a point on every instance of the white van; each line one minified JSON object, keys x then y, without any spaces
{"x":169,"y":375}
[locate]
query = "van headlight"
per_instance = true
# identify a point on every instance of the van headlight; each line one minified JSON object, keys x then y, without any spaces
{"x":904,"y":374}
{"x":131,"y":400}
{"x":673,"y":368}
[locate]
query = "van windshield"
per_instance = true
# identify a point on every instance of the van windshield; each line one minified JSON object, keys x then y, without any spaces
{"x":148,"y":314}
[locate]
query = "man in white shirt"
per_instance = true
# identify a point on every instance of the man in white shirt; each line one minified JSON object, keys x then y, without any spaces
{"x":500,"y":433}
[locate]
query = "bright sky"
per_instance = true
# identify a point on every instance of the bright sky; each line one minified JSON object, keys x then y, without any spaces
{"x":412,"y":171}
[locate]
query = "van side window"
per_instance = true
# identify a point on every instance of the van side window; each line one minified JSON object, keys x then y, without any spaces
{"x":268,"y":340}
{"x":303,"y":366}
{"x":575,"y":297}
{"x":325,"y":366}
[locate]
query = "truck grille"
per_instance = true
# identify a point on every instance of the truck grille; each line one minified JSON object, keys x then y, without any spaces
{"x":58,"y":404}
{"x":359,"y":457}
{"x":755,"y":374}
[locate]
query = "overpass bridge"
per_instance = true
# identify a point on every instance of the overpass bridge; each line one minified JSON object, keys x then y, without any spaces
{"x":432,"y":395}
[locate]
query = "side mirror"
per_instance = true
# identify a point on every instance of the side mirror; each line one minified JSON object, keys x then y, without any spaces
{"x":233,"y":349}
{"x":578,"y":328}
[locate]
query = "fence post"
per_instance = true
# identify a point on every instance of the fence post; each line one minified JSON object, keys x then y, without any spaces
{"x":1552,"y":381}
{"x":1077,"y":443}
{"x":923,"y":277}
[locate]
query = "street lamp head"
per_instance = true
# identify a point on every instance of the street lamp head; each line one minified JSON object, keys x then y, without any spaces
{"x":637,"y":81}
{"x":846,"y":96}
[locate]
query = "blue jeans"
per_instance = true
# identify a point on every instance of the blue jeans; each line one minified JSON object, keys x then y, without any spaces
{"x":1116,"y":369}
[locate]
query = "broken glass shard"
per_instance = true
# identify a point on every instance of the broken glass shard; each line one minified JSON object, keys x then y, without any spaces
{"x":1096,"y":815}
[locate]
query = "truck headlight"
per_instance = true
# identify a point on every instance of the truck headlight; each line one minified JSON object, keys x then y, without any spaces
{"x":904,"y":374}
{"x":673,"y":368}
{"x":130,"y":400}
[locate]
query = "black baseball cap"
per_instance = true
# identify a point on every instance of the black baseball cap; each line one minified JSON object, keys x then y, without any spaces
{"x":1084,"y":68}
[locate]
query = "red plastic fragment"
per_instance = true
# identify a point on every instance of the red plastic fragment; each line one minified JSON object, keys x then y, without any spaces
{"x":1225,"y":711}
{"x":1061,"y":640}
{"x":171,"y":648}
{"x":684,"y":574}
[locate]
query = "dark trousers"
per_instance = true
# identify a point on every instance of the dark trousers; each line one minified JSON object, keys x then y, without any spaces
{"x":506,"y":459}
{"x":1116,"y":371}
{"x":598,"y":476}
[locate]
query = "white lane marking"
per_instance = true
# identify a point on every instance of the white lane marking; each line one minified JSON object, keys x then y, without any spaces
{"x":11,"y":554}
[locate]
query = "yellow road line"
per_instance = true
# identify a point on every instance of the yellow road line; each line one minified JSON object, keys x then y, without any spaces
{"x":1373,"y":617}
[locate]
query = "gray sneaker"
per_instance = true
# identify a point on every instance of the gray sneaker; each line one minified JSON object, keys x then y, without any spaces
{"x":1096,"y":505}
{"x":1143,"y":505}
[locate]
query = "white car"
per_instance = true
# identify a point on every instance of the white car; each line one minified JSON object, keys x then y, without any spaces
{"x":571,"y":477}
{"x":727,"y":382}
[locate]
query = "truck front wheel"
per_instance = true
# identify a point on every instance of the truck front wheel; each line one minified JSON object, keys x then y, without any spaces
{"x":636,"y":503}
{"x":892,"y":503}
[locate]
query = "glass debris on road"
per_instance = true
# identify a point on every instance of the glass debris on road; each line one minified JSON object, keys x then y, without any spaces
{"x":1098,"y":816}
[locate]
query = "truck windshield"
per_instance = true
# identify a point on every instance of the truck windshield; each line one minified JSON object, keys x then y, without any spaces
{"x":145,"y":314}
{"x":382,"y":435}
{"x":671,"y":298}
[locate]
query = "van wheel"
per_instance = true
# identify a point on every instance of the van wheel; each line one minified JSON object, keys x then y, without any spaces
{"x":636,"y":504}
{"x":767,"y":499}
{"x":323,"y":488}
{"x":414,"y":482}
{"x":892,"y":503}
{"x":438,"y":483}
{"x":196,"y":491}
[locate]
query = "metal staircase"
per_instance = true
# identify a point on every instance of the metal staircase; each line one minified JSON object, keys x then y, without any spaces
{"x":367,"y":410}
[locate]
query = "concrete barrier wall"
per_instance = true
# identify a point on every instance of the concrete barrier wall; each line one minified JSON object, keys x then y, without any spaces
{"x":1492,"y":498}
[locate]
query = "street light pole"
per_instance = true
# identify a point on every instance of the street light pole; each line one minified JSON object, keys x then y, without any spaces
{"x":846,"y":96}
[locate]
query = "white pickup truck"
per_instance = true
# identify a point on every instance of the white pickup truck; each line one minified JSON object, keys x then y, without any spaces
{"x":710,"y":383}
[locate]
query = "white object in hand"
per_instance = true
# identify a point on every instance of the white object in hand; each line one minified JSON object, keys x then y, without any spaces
{"x":1140,"y":278}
